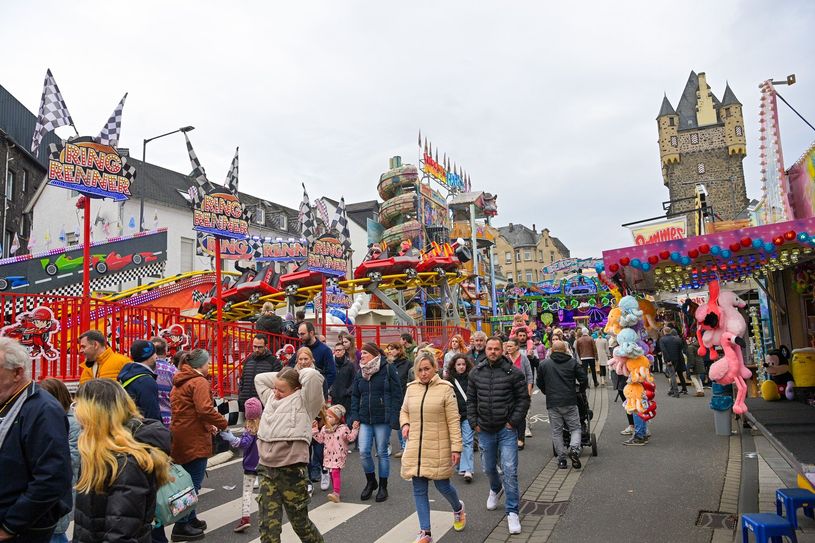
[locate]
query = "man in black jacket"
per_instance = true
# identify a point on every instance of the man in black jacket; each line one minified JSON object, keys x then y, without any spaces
{"x":673,"y":350}
{"x":269,"y":321}
{"x":36,"y":461}
{"x":262,"y":360}
{"x":497,"y":402}
{"x":139,"y":379}
{"x":558,"y":378}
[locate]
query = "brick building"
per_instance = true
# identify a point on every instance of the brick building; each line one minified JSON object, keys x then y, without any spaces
{"x":702,"y":144}
{"x":522,"y":252}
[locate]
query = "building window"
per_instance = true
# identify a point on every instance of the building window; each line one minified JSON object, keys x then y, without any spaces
{"x":528,"y":276}
{"x":260,"y":215}
{"x":509,"y":278}
{"x":546,"y":242}
{"x":24,"y":179}
{"x":527,"y":255}
{"x":281,"y":221}
{"x":517,"y":255}
{"x":727,"y":112}
{"x":508,"y":257}
{"x":739,"y":131}
{"x":694,"y":138}
{"x":187,"y":252}
{"x":671,"y":121}
{"x":9,"y":185}
{"x":700,"y":168}
{"x":540,"y":256}
{"x":674,"y":141}
{"x":551,"y":256}
{"x":72,"y":238}
{"x":7,"y":240}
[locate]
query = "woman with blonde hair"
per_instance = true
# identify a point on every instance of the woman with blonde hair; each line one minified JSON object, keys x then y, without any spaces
{"x":430,"y":422}
{"x":456,"y":346}
{"x":123,"y":465}
{"x":304,"y":358}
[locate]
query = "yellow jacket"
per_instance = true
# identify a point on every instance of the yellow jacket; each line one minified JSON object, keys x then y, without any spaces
{"x":110,"y":364}
{"x":435,"y":429}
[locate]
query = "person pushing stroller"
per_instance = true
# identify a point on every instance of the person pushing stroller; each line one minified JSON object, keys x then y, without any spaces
{"x":560,"y":377}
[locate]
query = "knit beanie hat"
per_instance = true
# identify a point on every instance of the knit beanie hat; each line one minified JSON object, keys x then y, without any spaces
{"x":141,"y":350}
{"x":198,"y":358}
{"x":338,"y":410}
{"x":252,"y":409}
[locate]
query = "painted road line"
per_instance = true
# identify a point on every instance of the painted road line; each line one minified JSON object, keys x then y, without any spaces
{"x":326,"y":517}
{"x":42,"y":281}
{"x":64,"y":275}
{"x":440,"y":521}
{"x":223,"y":514}
{"x":224,"y":464}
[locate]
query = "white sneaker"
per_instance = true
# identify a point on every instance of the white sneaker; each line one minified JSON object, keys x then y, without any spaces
{"x":528,"y":432}
{"x":514,"y":523}
{"x":256,"y":484}
{"x":492,"y":500}
{"x":629,"y":431}
{"x":325,"y":481}
{"x":310,"y":489}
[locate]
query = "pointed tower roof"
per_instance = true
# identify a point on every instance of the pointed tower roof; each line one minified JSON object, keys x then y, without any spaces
{"x":729,"y":98}
{"x":686,"y":108}
{"x":667,"y":108}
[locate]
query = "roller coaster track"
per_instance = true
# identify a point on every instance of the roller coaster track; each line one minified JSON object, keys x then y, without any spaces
{"x":129,"y":293}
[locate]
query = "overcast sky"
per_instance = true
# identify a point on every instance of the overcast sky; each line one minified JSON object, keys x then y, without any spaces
{"x":550,"y":105}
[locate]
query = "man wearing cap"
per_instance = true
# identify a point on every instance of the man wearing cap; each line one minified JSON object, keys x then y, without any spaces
{"x":139,"y":379}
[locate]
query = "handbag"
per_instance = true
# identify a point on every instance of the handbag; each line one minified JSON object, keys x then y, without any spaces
{"x":175,"y":499}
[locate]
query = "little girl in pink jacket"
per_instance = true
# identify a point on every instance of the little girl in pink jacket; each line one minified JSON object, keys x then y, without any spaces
{"x":335,"y":436}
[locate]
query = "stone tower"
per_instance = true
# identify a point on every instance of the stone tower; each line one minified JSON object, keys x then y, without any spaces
{"x":702,"y":142}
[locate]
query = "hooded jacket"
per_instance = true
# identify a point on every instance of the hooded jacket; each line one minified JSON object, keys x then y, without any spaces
{"x":272,"y":324}
{"x":36,"y":475}
{"x":431,"y":411}
{"x":142,"y":387}
{"x":193,"y":413}
{"x":253,"y":365}
{"x":290,"y":418}
{"x":109,"y":363}
{"x":496,"y":395}
{"x":125,"y":512}
{"x":558,"y":377}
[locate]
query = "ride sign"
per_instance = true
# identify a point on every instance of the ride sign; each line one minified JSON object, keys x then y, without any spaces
{"x":90,"y":168}
{"x":327,"y":255}
{"x":221,"y":214}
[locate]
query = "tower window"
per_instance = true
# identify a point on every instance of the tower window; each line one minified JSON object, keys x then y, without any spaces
{"x":700,"y":168}
{"x":671,"y":121}
{"x":739,"y":131}
{"x":727,"y":112}
{"x":674,"y":141}
{"x":694,"y":138}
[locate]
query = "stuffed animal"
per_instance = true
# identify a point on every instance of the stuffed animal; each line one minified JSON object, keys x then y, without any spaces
{"x":628,"y":344}
{"x":613,"y":324}
{"x":634,"y":397}
{"x":649,"y":315}
{"x":803,"y":367}
{"x":630,"y":311}
{"x":780,"y":383}
{"x":639,"y":369}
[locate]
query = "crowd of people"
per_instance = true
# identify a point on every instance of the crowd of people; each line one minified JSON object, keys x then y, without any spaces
{"x":306,"y":411}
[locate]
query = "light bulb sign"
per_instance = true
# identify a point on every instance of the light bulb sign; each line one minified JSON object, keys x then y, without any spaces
{"x":326,"y":254}
{"x":90,"y":168}
{"x":221,"y":214}
{"x":257,"y":249}
{"x":449,"y":179}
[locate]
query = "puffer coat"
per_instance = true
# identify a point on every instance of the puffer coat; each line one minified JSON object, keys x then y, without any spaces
{"x":376,"y":401}
{"x":496,"y":395}
{"x":193,"y":414}
{"x":432,"y":412}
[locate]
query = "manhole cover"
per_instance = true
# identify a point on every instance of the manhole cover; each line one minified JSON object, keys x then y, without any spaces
{"x":543,"y":509}
{"x":716,"y":520}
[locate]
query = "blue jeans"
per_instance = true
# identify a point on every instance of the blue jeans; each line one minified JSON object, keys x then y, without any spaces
{"x":197,"y":469}
{"x":640,"y":427}
{"x":467,"y":435}
{"x":315,"y":461}
{"x":382,"y":434}
{"x":59,"y":538}
{"x":402,"y":441}
{"x":447,"y":490}
{"x":505,"y":443}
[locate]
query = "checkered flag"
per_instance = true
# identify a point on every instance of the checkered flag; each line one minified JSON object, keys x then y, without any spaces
{"x":231,"y":183}
{"x":340,"y":225}
{"x":53,"y":112}
{"x":307,"y":220}
{"x":198,"y":296}
{"x":110,"y":133}
{"x":198,"y":173}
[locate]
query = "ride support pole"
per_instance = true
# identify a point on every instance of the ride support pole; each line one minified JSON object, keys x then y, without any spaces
{"x":85,"y":316}
{"x":219,"y":303}
{"x":322,"y":308}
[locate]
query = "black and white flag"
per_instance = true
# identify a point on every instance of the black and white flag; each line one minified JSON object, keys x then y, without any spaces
{"x":53,"y":112}
{"x":231,"y":183}
{"x":198,"y":190}
{"x":110,"y":133}
{"x":340,"y":225}
{"x":308,"y":223}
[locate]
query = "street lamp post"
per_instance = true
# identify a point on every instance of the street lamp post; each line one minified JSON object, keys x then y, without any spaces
{"x":144,"y":159}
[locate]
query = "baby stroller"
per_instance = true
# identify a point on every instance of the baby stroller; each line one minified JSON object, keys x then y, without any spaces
{"x":588,"y":439}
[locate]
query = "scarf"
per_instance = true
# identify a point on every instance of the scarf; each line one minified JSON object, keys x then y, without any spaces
{"x":370,"y":368}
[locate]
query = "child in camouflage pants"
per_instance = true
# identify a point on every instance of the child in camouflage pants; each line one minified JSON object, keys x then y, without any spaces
{"x":285,"y":487}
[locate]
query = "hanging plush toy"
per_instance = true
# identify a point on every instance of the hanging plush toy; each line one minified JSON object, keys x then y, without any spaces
{"x":630,"y":357}
{"x":719,"y":323}
{"x":780,"y":384}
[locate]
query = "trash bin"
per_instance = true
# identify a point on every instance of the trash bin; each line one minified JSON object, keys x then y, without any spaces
{"x":722,"y":422}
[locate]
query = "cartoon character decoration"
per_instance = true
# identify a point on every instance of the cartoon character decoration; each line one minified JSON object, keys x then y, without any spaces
{"x":285,"y":353}
{"x":406,"y":248}
{"x":33,"y":329}
{"x":631,"y":357}
{"x":374,"y":253}
{"x":519,"y":323}
{"x":802,"y":367}
{"x":176,"y":339}
{"x":780,"y":384}
{"x":719,"y":324}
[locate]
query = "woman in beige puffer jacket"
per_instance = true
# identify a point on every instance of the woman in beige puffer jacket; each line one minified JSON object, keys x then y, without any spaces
{"x":430,"y":423}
